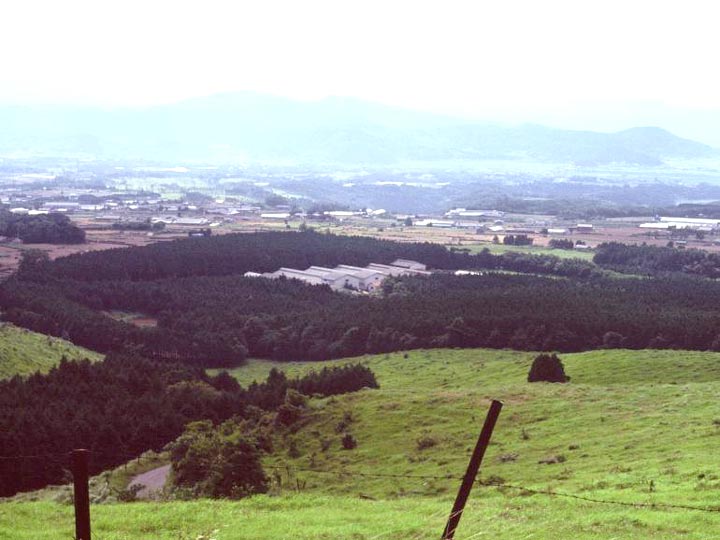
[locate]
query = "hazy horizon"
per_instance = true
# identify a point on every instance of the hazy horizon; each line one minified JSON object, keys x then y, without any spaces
{"x":597,"y":66}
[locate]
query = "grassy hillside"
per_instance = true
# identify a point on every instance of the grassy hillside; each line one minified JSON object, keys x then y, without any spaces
{"x":638,"y":427}
{"x":23,"y":352}
{"x":633,"y":425}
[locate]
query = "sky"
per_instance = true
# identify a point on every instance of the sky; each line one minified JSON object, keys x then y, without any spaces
{"x":594,"y":64}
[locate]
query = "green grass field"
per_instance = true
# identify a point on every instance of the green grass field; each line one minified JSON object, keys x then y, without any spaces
{"x":497,"y":249}
{"x":637,"y":427}
{"x":313,"y":517}
{"x":23,"y":352}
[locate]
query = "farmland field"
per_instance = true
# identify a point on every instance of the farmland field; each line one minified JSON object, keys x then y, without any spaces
{"x":497,"y":249}
{"x":632,"y":427}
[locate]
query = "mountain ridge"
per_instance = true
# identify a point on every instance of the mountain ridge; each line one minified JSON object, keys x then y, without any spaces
{"x":250,"y":127}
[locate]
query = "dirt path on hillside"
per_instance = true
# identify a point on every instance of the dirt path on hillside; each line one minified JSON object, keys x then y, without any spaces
{"x":152,"y":481}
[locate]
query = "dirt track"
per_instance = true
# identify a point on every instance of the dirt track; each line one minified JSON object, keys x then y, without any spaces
{"x":152,"y":481}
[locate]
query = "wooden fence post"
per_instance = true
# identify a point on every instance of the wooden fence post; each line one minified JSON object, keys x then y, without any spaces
{"x":81,"y":494}
{"x":472,"y":470}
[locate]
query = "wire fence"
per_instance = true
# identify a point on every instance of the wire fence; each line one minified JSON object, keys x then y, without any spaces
{"x":81,"y":498}
{"x":502,"y":485}
{"x":63,"y":458}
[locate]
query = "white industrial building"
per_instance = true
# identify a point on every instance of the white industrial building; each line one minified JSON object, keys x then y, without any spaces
{"x":389,"y":270}
{"x":677,"y":223}
{"x":369,"y":279}
{"x":410,"y":265}
{"x":335,"y":278}
{"x":345,"y":276}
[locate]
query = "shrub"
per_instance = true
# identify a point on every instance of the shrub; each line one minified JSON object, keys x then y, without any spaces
{"x":343,"y":424}
{"x":425,"y":442}
{"x":293,"y":450}
{"x":507,"y":458}
{"x":130,"y":493}
{"x":291,"y":410}
{"x":349,"y":442}
{"x":220,"y":462}
{"x":552,"y":460}
{"x":547,"y":368}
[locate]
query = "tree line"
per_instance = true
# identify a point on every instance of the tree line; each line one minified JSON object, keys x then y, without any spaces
{"x":644,"y":259}
{"x":42,"y":229}
{"x":209,"y":315}
{"x":220,"y":320}
{"x":234,"y":254}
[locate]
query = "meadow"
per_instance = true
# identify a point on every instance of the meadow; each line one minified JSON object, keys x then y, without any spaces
{"x":497,"y":249}
{"x":632,"y":427}
{"x":23,"y":352}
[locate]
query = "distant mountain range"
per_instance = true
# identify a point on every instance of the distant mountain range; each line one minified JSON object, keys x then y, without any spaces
{"x":254,"y":128}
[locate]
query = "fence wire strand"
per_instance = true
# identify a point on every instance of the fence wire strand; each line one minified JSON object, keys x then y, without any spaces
{"x":63,"y":458}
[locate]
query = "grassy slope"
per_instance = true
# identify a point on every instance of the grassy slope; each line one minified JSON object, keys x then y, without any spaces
{"x":633,"y":426}
{"x":23,"y":352}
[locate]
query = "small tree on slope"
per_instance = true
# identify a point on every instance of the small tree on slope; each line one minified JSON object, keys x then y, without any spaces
{"x":547,"y":368}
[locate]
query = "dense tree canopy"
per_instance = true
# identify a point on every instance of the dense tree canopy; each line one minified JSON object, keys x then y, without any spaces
{"x":42,"y":229}
{"x":234,"y":254}
{"x":220,"y":317}
{"x":646,"y":259}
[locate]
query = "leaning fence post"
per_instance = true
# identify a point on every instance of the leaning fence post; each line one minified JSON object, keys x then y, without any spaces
{"x":472,"y":470}
{"x":81,"y":494}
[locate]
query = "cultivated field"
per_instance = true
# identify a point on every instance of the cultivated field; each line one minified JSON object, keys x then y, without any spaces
{"x":635,"y":429}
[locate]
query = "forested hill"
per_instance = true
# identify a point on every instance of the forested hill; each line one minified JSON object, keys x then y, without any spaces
{"x":208,"y":314}
{"x":239,"y":253}
{"x":265,"y":252}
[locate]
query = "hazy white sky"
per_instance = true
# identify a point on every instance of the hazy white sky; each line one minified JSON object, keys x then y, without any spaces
{"x":477,"y":57}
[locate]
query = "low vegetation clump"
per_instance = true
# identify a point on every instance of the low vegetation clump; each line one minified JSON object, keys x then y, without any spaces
{"x":547,"y":368}
{"x":426,"y":441}
{"x":349,"y":442}
{"x":561,"y":243}
{"x":217,"y":462}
